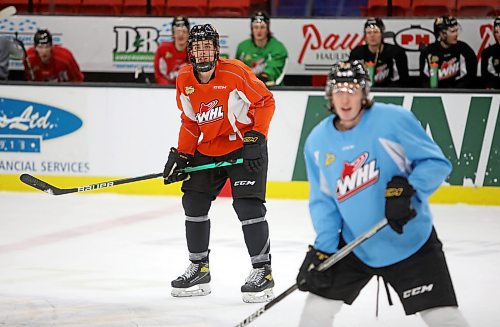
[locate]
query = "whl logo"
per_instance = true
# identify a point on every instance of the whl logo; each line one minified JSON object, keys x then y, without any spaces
{"x":449,"y":69}
{"x":209,"y":112}
{"x":356,"y":176}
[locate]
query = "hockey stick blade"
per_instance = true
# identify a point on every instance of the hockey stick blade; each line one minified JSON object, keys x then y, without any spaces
{"x":7,"y":12}
{"x":339,"y":255}
{"x":39,"y":184}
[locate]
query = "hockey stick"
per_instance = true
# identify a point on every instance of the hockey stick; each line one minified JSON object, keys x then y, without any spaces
{"x":51,"y":189}
{"x":323,"y":266}
{"x":24,"y":56}
{"x":7,"y":12}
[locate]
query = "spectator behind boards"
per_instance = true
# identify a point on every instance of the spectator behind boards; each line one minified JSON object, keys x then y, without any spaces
{"x":490,"y":60}
{"x":171,"y":56}
{"x":389,"y":62}
{"x":263,"y":53}
{"x":454,"y":60}
{"x":50,"y":63}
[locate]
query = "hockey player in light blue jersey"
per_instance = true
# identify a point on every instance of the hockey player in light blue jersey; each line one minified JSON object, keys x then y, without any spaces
{"x":366,"y":161}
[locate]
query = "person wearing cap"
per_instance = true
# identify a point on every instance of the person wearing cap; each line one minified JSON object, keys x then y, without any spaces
{"x":390,"y":61}
{"x":490,"y":60}
{"x":367,"y":161}
{"x":49,"y":62}
{"x":456,"y":61}
{"x":171,"y":56}
{"x":263,"y":53}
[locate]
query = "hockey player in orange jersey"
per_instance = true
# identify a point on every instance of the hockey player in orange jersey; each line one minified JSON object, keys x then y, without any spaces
{"x":226,"y":111}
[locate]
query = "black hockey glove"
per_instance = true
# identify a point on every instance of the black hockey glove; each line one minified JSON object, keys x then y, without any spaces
{"x":309,"y":278}
{"x":263,"y":77}
{"x":398,"y":209}
{"x":254,"y":151}
{"x":176,"y":160}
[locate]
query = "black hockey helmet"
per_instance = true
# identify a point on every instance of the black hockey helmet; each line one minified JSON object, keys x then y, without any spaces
{"x":180,"y":21}
{"x":42,"y":37}
{"x":496,"y":22}
{"x":260,"y":17}
{"x":202,"y":33}
{"x":442,"y":23}
{"x":375,"y":22}
{"x":346,"y":75}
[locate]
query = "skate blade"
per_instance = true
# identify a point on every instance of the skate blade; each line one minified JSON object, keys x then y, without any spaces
{"x":258,"y":297}
{"x":196,"y":290}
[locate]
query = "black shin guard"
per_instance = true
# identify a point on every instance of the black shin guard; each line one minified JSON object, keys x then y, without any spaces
{"x":252,"y":214}
{"x":196,"y":207}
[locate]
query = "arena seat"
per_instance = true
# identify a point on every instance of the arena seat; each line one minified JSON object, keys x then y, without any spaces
{"x":478,"y":8}
{"x":186,"y":7}
{"x":433,"y":7}
{"x":138,"y":7}
{"x":229,"y":8}
{"x":292,"y":8}
{"x":101,"y":7}
{"x":59,"y":6}
{"x":378,"y":8}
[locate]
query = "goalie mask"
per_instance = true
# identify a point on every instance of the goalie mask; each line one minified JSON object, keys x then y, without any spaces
{"x":203,"y":47}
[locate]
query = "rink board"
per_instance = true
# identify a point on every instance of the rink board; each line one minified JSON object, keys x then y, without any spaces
{"x":95,"y":134}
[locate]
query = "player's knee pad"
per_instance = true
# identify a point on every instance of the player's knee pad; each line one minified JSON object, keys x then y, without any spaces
{"x":249,"y":208}
{"x":196,"y":204}
{"x":443,"y":317}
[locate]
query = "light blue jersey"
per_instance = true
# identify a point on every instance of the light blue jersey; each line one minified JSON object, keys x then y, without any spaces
{"x":348,"y":172}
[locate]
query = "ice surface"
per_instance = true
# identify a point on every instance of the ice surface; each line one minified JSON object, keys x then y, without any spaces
{"x":107,"y":260}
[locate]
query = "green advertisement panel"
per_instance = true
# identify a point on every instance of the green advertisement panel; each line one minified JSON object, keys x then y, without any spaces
{"x":467,"y":143}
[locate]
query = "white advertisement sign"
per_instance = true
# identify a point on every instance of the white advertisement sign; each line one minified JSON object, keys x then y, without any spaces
{"x":120,"y":44}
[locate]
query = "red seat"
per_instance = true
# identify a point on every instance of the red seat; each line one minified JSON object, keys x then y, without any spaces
{"x":433,"y":7}
{"x":101,"y":7}
{"x":186,"y":7}
{"x":59,"y":6}
{"x":378,"y":8}
{"x":479,"y":8}
{"x":229,"y":8}
{"x":138,"y":7}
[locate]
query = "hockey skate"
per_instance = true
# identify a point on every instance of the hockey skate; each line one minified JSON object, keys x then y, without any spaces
{"x":194,"y":282}
{"x":258,"y":286}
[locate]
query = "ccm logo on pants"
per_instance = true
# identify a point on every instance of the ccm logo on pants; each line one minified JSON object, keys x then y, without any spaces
{"x":418,"y":290}
{"x":244,"y":183}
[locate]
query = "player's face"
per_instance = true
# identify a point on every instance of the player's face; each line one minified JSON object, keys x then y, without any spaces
{"x":373,"y":36}
{"x":259,"y":31}
{"x":452,"y":35}
{"x":496,"y":31}
{"x":181,"y":35}
{"x":44,"y":52}
{"x":347,"y":100}
{"x":203,"y":51}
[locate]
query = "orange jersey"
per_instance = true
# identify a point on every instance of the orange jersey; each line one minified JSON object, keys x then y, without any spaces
{"x":216,"y":115}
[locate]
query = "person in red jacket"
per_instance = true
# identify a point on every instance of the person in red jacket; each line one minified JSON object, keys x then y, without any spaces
{"x":50,"y":63}
{"x":171,"y":56}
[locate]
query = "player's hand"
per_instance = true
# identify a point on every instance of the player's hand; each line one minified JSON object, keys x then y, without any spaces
{"x":309,"y":278}
{"x":398,"y":208}
{"x":263,"y":77}
{"x":254,"y":149}
{"x":176,"y":161}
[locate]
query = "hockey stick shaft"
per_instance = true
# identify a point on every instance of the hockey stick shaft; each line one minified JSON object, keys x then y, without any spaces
{"x":339,"y":255}
{"x":7,"y":12}
{"x":26,"y":58}
{"x":46,"y":187}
